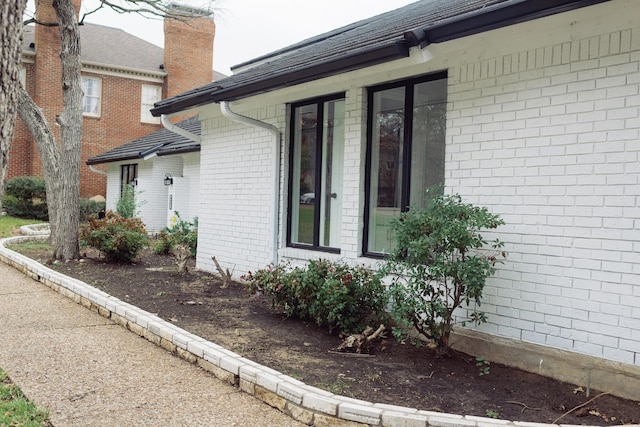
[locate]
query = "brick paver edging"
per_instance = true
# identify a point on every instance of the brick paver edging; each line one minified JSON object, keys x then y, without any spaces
{"x":307,"y":404}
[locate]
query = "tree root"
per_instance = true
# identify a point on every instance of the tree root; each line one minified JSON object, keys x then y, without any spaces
{"x":359,"y":343}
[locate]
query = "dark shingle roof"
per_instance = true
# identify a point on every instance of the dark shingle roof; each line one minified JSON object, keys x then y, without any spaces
{"x":162,"y":143}
{"x":379,"y":39}
{"x":111,"y":46}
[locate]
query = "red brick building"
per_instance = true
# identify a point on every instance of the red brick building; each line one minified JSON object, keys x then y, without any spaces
{"x":122,"y":76}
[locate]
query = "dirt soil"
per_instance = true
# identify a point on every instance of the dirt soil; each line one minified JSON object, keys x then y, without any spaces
{"x":398,"y":374}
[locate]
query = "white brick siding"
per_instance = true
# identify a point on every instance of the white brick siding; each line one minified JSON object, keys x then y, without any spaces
{"x":548,"y":139}
{"x":236,"y":192}
{"x":151,"y":193}
{"x":543,"y":128}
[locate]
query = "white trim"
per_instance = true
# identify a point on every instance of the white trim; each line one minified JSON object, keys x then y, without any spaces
{"x":125,"y":72}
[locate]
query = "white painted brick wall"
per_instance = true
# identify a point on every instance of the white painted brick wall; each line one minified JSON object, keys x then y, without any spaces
{"x":191,"y":170}
{"x":235,"y":213}
{"x":151,"y":193}
{"x":549,"y":139}
{"x":546,"y":135}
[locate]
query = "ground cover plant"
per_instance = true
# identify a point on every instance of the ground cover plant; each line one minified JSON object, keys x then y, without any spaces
{"x":393,"y":373}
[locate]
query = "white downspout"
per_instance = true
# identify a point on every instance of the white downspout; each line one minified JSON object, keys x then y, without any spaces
{"x":176,"y":129}
{"x":226,"y":111}
{"x":98,"y":171}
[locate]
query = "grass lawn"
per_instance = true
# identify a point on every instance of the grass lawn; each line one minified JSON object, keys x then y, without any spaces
{"x":15,"y":409}
{"x":10,"y":225}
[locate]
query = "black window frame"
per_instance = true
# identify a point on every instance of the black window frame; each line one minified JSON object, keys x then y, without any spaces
{"x":127,"y":167}
{"x":408,"y":85}
{"x":319,"y":102}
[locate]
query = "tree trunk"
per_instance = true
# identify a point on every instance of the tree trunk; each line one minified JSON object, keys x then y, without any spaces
{"x":70,"y":121}
{"x":11,"y":41}
{"x":61,"y":162}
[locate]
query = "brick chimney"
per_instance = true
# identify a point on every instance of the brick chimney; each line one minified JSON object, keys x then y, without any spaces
{"x":188,"y":49}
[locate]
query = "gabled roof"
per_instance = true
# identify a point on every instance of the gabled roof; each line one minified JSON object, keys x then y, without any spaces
{"x":113,"y":47}
{"x":161,"y":143}
{"x":372,"y":41}
{"x":110,"y":46}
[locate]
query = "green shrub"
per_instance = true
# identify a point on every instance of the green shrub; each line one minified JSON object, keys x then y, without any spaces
{"x":126,"y":204}
{"x":26,"y":197}
{"x":119,"y":239}
{"x":182,"y":232}
{"x":439,"y":263}
{"x":334,"y":295}
{"x":90,"y":208}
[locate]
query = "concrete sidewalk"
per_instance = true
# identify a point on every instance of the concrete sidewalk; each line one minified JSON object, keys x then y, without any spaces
{"x":88,"y":371}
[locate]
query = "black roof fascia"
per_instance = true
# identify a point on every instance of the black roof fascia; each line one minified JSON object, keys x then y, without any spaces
{"x":484,"y":19}
{"x":185,"y":150}
{"x":97,"y":161}
{"x":492,"y":18}
{"x":325,"y":69}
{"x":378,"y":55}
{"x":152,"y":150}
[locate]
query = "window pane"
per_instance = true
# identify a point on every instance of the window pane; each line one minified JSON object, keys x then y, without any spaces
{"x":150,"y":95}
{"x":332,"y":163}
{"x":428,"y":138}
{"x":387,"y":147}
{"x":91,"y":99}
{"x":304,"y":177}
{"x":90,"y":105}
{"x":128,"y":174}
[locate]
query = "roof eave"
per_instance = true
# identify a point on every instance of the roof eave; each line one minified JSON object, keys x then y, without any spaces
{"x":97,"y":161}
{"x":179,"y":151}
{"x":493,"y":18}
{"x":378,"y":55}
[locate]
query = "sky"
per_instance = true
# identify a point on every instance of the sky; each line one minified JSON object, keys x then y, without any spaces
{"x":246,"y":29}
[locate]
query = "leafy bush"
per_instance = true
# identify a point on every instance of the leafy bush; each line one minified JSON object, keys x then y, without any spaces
{"x":119,"y":239}
{"x":439,"y":263}
{"x":90,"y":208}
{"x":334,"y":295}
{"x":182,"y":232}
{"x":126,"y":204}
{"x":26,"y":197}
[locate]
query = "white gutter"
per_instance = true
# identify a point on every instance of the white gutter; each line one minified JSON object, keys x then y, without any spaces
{"x":98,"y":171}
{"x":176,"y":129}
{"x":226,"y":111}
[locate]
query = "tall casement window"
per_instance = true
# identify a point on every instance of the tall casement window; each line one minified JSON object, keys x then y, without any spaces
{"x":315,"y":180}
{"x":150,"y":95}
{"x":92,"y":88}
{"x":128,"y":175}
{"x":405,"y":152}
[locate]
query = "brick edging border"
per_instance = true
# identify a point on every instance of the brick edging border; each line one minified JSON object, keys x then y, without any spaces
{"x":310,"y":405}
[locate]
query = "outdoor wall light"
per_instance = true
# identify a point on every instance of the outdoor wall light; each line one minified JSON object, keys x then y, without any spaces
{"x":168,"y":179}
